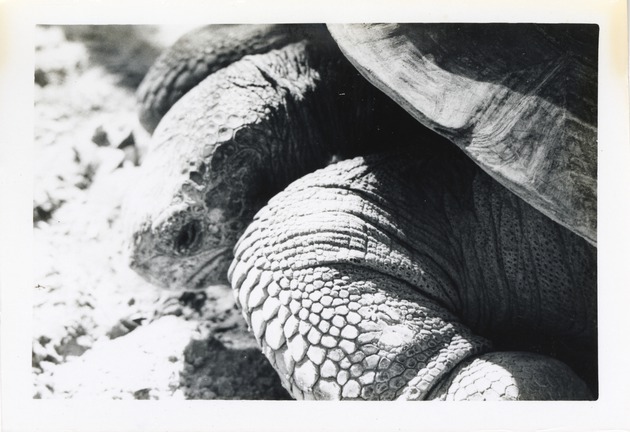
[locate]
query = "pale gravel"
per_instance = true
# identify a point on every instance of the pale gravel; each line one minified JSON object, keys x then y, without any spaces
{"x":99,"y":330}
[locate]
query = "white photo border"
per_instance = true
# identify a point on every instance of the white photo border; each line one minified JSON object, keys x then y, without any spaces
{"x":21,"y":413}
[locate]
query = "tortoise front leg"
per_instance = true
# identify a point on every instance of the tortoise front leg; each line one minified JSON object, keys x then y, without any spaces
{"x":347,"y":303}
{"x":344,"y":332}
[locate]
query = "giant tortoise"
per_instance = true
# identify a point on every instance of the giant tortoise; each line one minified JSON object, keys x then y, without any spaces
{"x":406,"y":211}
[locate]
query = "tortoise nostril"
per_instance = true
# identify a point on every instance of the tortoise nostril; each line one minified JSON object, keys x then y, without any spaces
{"x":187,"y":240}
{"x":196,"y":177}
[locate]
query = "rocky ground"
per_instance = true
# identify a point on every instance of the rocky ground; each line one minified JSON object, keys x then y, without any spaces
{"x":100,"y":331}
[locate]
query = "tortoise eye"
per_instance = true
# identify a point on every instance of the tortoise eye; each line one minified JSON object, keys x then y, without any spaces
{"x":188,"y":238}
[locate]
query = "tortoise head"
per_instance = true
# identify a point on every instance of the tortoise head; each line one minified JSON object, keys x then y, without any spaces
{"x":181,"y":224}
{"x":183,"y":247}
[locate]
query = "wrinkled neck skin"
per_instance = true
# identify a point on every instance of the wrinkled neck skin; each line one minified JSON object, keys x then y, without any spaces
{"x":237,"y":139}
{"x":203,"y":51}
{"x":506,"y":268}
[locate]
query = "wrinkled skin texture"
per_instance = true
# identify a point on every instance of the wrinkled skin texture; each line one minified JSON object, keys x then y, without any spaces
{"x":375,"y":278}
{"x":240,"y":136}
{"x":202,"y":52}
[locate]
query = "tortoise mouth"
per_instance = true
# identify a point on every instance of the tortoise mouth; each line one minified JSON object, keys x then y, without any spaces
{"x":209,"y":271}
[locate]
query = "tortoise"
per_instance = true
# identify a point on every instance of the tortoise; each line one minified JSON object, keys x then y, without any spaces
{"x":446,"y":246}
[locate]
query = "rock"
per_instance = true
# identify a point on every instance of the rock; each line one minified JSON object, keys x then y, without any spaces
{"x":100,"y":137}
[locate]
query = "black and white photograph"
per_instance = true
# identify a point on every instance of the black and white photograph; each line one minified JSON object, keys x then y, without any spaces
{"x":322,"y":210}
